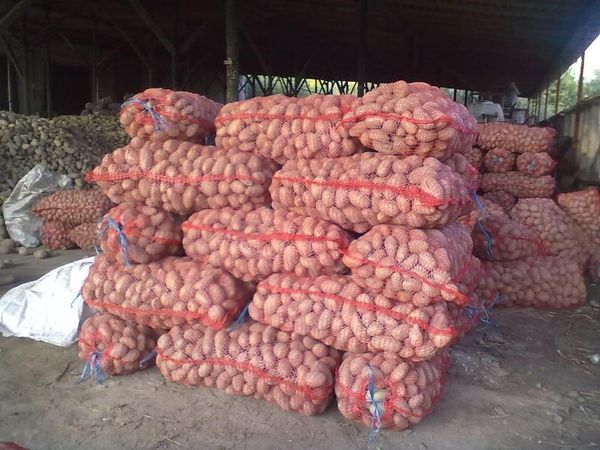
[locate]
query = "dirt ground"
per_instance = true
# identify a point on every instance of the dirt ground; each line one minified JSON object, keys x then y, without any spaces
{"x":525,"y":383}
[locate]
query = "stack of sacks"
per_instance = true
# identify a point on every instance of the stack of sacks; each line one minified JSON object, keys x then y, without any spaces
{"x":517,"y":160}
{"x":536,"y":257}
{"x":392,"y":298}
{"x":142,"y":278}
{"x":70,"y":217}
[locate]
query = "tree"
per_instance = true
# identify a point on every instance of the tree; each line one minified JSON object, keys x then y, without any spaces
{"x":592,"y":87}
{"x":568,"y":93}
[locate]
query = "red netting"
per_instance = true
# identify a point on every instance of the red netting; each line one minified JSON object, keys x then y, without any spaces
{"x":283,"y":128}
{"x":540,"y":281}
{"x":559,"y":233}
{"x":380,"y":390}
{"x":503,"y":239}
{"x":515,"y":138}
{"x":535,"y":164}
{"x":518,"y":184}
{"x":338,"y":312}
{"x":584,"y":209}
{"x":461,"y":165}
{"x":417,"y":266}
{"x":173,"y":291}
{"x":73,"y":207}
{"x":84,"y":235}
{"x":254,"y":245}
{"x":411,"y":119}
{"x":181,"y":177}
{"x":501,"y":198}
{"x":161,"y":114}
{"x":473,"y":155}
{"x":293,"y":372}
{"x":55,"y":236}
{"x":150,"y":234}
{"x":499,"y":160}
{"x":368,"y":189}
{"x":120,"y":345}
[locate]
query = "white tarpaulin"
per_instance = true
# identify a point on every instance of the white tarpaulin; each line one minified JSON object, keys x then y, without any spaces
{"x":48,"y":309}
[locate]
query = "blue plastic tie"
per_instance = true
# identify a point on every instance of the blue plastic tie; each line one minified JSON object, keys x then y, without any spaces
{"x":111,"y":223}
{"x":378,"y":410}
{"x":146,"y":360}
{"x":478,"y":203}
{"x":489,"y":242}
{"x":146,"y":107}
{"x":483,"y":314}
{"x":93,"y":369}
{"x":241,"y":318}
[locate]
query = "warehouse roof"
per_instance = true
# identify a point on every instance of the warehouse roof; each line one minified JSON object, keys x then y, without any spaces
{"x":474,"y":44}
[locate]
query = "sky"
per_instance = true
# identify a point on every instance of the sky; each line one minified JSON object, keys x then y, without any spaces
{"x":592,"y":61}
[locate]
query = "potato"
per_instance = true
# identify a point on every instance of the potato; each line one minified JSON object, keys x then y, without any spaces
{"x":368,"y":189}
{"x":73,"y":207}
{"x":364,"y":321}
{"x":584,"y":209}
{"x":244,"y":362}
{"x":501,"y":198}
{"x":499,"y":160}
{"x":539,"y":281}
{"x":518,"y":184}
{"x":84,"y":235}
{"x":256,"y":244}
{"x":119,"y":346}
{"x":163,"y":294}
{"x":158,"y":114}
{"x":284,"y":128}
{"x":404,"y":392}
{"x":473,"y":155}
{"x":514,"y":138}
{"x":535,"y":164}
{"x":55,"y":236}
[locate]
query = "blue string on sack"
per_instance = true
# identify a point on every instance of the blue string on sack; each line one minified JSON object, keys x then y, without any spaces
{"x":478,"y":203}
{"x":489,"y":242}
{"x":241,"y":318}
{"x":93,"y":368}
{"x":111,"y":223}
{"x":482,"y":313}
{"x":148,"y":359}
{"x":375,"y":406}
{"x":146,"y":107}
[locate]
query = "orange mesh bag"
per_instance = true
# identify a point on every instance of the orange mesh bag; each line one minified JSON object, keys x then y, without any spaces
{"x":411,"y":119}
{"x":474,"y":156}
{"x":539,"y":281}
{"x":499,"y":160}
{"x":338,"y":312}
{"x":518,"y":184}
{"x":139,"y":234}
{"x":254,"y":245}
{"x":559,"y":233}
{"x":501,"y":198}
{"x":460,"y":164}
{"x":173,"y":291}
{"x":73,"y":207}
{"x":385,"y":391}
{"x":111,"y":346}
{"x":183,"y":178}
{"x":503,"y":239}
{"x":417,"y":266}
{"x":584,"y":209}
{"x":293,"y":372}
{"x":535,"y":164}
{"x":159,"y":114}
{"x":514,"y":138}
{"x":84,"y":235}
{"x":368,"y":189}
{"x":56,"y":236}
{"x":283,"y":128}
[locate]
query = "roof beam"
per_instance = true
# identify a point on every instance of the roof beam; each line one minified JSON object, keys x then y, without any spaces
{"x":14,"y":13}
{"x":150,"y":23}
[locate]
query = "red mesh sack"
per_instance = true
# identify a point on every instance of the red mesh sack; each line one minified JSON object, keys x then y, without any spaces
{"x":559,"y":233}
{"x":518,"y":184}
{"x":385,"y":391}
{"x":499,"y":160}
{"x":84,"y":235}
{"x":254,"y":245}
{"x":417,"y":266}
{"x":283,"y":128}
{"x":535,"y":164}
{"x":73,"y":207}
{"x":159,"y":114}
{"x":293,"y":372}
{"x":112,"y":346}
{"x":173,"y":291}
{"x":584,"y":209}
{"x":474,"y":156}
{"x":539,"y":281}
{"x":338,"y":312}
{"x":183,"y":178}
{"x":368,"y":189}
{"x":501,"y":198}
{"x":139,"y":234}
{"x":56,"y":236}
{"x":503,"y":239}
{"x":460,"y":164}
{"x":411,"y":119}
{"x":514,"y":138}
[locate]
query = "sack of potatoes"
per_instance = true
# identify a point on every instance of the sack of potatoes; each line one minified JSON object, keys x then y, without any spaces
{"x":518,"y":184}
{"x":515,"y":138}
{"x":73,"y":207}
{"x":84,"y":235}
{"x":584,"y":208}
{"x":56,"y":236}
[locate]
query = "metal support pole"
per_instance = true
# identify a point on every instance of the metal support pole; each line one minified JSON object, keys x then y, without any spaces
{"x":454,"y":95}
{"x":546,"y":104}
{"x":577,"y":108}
{"x":556,"y":101}
{"x":94,"y":74}
{"x":362,"y":46}
{"x":231,"y":51}
{"x":9,"y":84}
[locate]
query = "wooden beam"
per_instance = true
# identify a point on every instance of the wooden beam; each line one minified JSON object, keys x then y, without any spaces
{"x":557,"y":99}
{"x":577,"y":105}
{"x":252,"y":43}
{"x":195,"y":35}
{"x":126,"y":38}
{"x":362,"y":46}
{"x":232,"y":68}
{"x":11,"y":57}
{"x":13,"y":14}
{"x":546,"y":104}
{"x":150,"y":23}
{"x":45,"y":32}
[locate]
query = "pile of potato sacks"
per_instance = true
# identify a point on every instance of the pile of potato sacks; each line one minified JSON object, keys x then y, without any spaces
{"x":341,"y":226}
